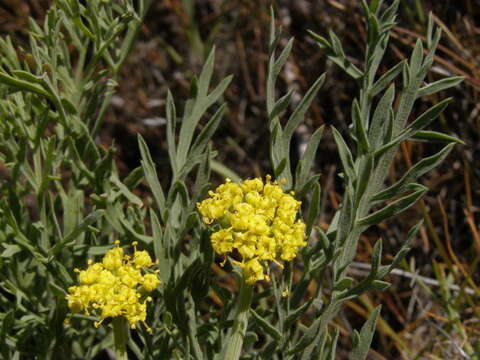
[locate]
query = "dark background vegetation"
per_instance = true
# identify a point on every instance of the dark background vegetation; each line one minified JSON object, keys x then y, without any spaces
{"x":437,"y":315}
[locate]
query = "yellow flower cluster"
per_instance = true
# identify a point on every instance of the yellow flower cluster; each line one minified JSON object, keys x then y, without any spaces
{"x":115,"y":286}
{"x":258,"y":220}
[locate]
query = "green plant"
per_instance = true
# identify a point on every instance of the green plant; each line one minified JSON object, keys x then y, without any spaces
{"x":377,"y":130}
{"x":63,"y":201}
{"x":61,"y":192}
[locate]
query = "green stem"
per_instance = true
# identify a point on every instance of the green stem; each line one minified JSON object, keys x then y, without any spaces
{"x":235,"y":338}
{"x":120,"y":336}
{"x":126,"y":47}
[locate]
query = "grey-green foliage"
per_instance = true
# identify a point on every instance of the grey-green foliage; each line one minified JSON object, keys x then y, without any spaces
{"x":61,"y":200}
{"x":184,"y":267}
{"x":52,"y":109}
{"x":281,"y":137}
{"x":377,"y":129}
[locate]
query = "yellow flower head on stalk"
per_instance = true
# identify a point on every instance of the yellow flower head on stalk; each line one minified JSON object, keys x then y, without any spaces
{"x":116,"y":286}
{"x":258,"y":220}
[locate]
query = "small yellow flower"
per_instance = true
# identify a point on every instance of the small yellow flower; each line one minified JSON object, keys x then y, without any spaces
{"x":115,"y":286}
{"x":150,"y":282}
{"x":113,"y":258}
{"x":258,"y":219}
{"x":253,"y":271}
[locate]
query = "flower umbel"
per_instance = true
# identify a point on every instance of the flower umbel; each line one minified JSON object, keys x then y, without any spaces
{"x":115,"y":286}
{"x":258,"y":220}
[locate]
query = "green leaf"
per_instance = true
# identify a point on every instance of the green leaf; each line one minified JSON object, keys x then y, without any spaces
{"x":22,"y":85}
{"x":429,"y":30}
{"x":10,"y":250}
{"x":373,"y":32}
{"x":133,"y":179}
{"x":222,"y":170}
{"x":360,"y":349}
{"x":62,"y":273}
{"x":299,"y":112}
{"x":393,"y":208}
{"x":280,"y":105}
{"x":321,"y":41}
{"x":26,"y":76}
{"x":151,"y":176}
{"x":98,"y":250}
{"x":440,"y":85}
{"x":314,"y":208}
{"x":364,"y":176}
{"x":217,"y":92}
{"x":79,"y":159}
{"x":366,"y":8}
{"x":376,"y":258}
{"x":426,"y":118}
{"x":171,"y":130}
{"x":340,"y":60}
{"x":203,"y":176}
{"x":303,"y":190}
{"x":206,"y":74}
{"x":385,"y":270}
{"x":8,"y":320}
{"x":390,"y":14}
{"x":79,"y":229}
{"x":277,"y":171}
{"x":305,"y":163}
{"x":194,"y":110}
{"x":427,"y":63}
{"x":294,"y":315}
{"x":345,"y":155}
{"x":343,"y":284}
{"x":412,"y":174}
{"x":379,"y":285}
{"x":68,"y":106}
{"x":336,"y":44}
{"x":323,"y":239}
{"x":359,"y":123}
{"x":416,"y":59}
{"x":311,"y":333}
{"x":178,"y":188}
{"x":279,"y":154}
{"x":406,"y":77}
{"x":272,"y":36}
{"x":129,"y":226}
{"x":375,"y":4}
{"x":380,"y":116}
{"x":134,"y":199}
{"x":345,"y":219}
{"x":421,"y":122}
{"x":207,"y":132}
{"x":282,"y":59}
{"x":161,"y":248}
{"x":435,"y":136}
{"x":190,"y":163}
{"x":332,"y":351}
{"x":250,"y":339}
{"x":104,"y":165}
{"x":266,"y":326}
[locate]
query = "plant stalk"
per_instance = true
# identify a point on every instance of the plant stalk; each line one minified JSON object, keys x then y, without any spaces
{"x":120,"y":336}
{"x":234,"y":341}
